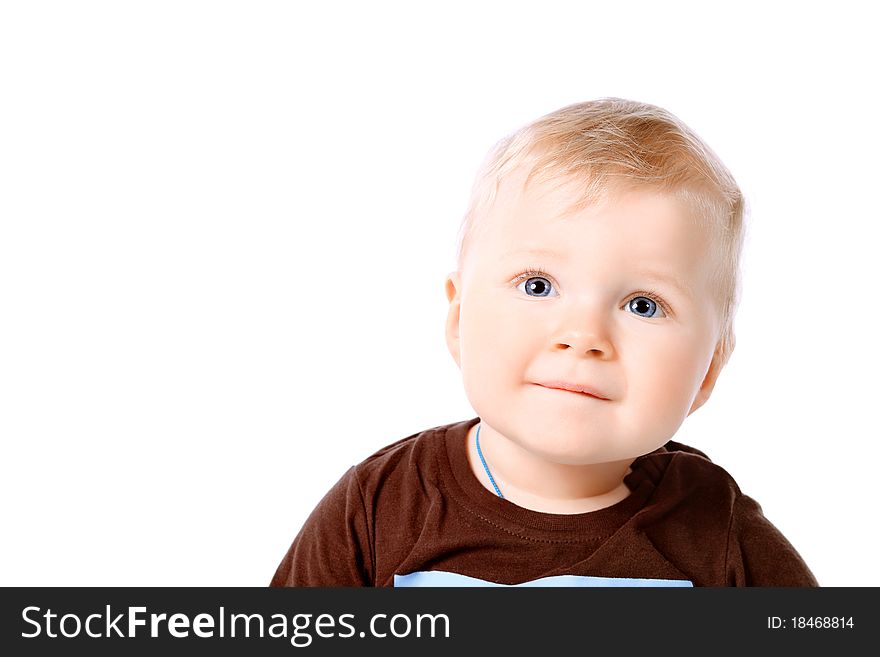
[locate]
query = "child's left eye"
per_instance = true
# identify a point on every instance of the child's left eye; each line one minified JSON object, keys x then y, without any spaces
{"x":646,"y":303}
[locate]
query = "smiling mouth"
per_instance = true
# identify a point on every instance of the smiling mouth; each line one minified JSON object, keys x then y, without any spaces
{"x":563,"y":387}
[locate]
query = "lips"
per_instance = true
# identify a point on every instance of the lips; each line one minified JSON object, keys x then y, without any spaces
{"x":574,"y":387}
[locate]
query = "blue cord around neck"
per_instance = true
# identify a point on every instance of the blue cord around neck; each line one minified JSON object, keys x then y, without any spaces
{"x":486,"y":467}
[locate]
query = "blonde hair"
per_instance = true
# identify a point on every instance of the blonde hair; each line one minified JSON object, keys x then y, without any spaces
{"x":613,"y":145}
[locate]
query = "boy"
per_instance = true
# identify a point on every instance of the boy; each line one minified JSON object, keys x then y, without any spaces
{"x":591,"y":312}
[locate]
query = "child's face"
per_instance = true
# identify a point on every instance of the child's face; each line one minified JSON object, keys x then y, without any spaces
{"x":588,"y":321}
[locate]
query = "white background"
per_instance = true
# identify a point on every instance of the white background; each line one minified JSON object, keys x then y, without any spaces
{"x":226,"y":227}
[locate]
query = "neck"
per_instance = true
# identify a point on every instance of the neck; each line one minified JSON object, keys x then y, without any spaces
{"x":532,"y":482}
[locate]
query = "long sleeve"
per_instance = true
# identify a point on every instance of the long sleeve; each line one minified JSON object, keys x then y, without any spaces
{"x":757,"y":552}
{"x":333,"y":546}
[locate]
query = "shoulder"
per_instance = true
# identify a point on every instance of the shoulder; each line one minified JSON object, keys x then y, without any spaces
{"x":682,"y":470}
{"x":376,"y":502}
{"x":692,"y":502}
{"x":416,"y":460}
{"x":698,"y":503}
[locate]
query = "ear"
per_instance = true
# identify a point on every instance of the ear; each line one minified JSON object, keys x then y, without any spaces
{"x":453,"y":295}
{"x":719,"y":360}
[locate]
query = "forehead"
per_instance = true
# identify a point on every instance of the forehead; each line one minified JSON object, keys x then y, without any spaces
{"x":550,"y":218}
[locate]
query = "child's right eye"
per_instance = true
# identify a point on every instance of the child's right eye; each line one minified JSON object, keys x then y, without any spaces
{"x":535,"y":283}
{"x":537,"y":287}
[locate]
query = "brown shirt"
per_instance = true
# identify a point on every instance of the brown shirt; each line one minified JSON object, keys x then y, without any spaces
{"x":416,"y":506}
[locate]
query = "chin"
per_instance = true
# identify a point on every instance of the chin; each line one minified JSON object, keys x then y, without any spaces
{"x":581,"y":455}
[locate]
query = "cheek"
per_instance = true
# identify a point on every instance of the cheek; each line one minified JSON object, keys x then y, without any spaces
{"x":666,"y":379}
{"x":494,"y":346}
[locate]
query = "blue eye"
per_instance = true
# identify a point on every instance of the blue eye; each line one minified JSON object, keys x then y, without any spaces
{"x":643,"y":304}
{"x":647,"y":304}
{"x":537,"y":286}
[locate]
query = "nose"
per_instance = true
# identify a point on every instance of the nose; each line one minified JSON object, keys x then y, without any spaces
{"x":584,"y":330}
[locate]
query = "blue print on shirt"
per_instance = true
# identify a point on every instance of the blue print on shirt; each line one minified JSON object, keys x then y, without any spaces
{"x":442,"y":578}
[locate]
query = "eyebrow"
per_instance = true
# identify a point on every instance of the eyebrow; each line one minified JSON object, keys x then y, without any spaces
{"x":661,"y":277}
{"x":549,"y":253}
{"x":669,"y":279}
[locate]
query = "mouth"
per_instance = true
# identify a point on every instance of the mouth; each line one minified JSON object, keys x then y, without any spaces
{"x":577,"y":388}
